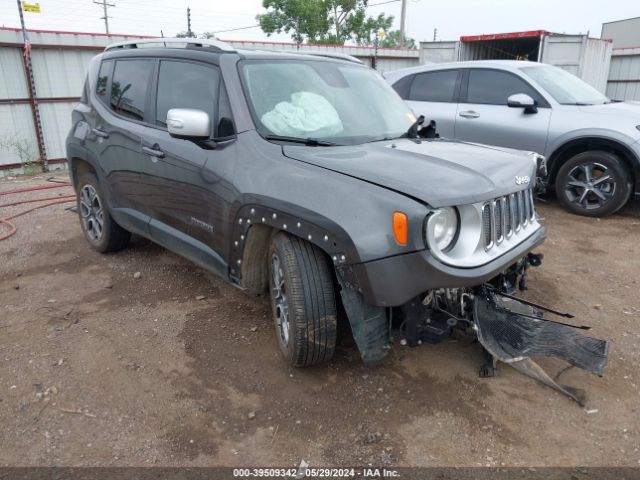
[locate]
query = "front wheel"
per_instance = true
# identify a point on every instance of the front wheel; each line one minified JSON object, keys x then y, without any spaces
{"x":302,"y":300}
{"x":593,"y":183}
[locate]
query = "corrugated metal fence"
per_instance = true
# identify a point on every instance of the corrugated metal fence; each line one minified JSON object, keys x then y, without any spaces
{"x":60,"y":61}
{"x":624,"y":74}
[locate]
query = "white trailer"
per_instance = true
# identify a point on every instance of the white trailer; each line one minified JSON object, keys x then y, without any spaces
{"x":587,"y":58}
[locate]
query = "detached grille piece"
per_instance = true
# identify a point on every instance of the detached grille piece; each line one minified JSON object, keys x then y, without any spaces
{"x":506,"y":216}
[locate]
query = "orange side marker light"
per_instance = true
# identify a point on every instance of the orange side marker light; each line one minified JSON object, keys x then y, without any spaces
{"x":400,"y":228}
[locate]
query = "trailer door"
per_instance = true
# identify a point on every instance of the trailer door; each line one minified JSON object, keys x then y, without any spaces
{"x":484,"y":117}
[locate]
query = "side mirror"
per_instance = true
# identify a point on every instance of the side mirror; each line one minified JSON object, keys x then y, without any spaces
{"x":188,"y":123}
{"x":522,"y":100}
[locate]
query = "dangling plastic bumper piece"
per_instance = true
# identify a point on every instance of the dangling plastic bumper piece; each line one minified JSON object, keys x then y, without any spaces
{"x":513,"y":331}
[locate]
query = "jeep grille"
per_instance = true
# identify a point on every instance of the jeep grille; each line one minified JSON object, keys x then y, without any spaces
{"x":505,"y":216}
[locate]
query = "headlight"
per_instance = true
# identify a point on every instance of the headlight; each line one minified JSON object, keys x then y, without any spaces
{"x":442,"y":228}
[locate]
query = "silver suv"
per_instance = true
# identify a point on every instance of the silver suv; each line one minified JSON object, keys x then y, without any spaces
{"x":591,"y":142}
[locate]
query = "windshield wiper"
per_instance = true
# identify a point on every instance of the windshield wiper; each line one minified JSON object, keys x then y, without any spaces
{"x":413,"y":130}
{"x":311,"y":142}
{"x":417,"y":129}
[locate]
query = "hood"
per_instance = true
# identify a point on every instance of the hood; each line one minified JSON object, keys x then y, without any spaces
{"x":437,"y":172}
{"x":627,"y":109}
{"x":622,"y":115}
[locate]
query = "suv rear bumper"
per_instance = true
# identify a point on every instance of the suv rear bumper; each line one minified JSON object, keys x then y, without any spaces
{"x":393,"y":281}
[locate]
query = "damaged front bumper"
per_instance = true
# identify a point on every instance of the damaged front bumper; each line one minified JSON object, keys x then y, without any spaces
{"x":509,"y":329}
{"x":514,"y":332}
{"x":394,"y":281}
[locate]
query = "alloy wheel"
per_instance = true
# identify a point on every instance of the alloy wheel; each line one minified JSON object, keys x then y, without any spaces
{"x":590,"y":185}
{"x":91,"y":213}
{"x":279,"y":294}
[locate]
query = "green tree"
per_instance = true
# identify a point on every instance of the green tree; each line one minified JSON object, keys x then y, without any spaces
{"x":322,"y":21}
{"x":392,"y":40}
{"x":366,"y":32}
{"x":303,"y":19}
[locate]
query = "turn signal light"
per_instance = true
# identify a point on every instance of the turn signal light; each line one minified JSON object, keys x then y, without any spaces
{"x":400,"y":228}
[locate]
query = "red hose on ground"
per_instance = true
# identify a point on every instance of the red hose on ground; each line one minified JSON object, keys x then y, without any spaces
{"x":56,"y":201}
{"x":33,"y":189}
{"x":11,"y":204}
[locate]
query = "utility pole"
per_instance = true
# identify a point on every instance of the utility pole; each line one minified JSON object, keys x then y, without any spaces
{"x":435,"y":34}
{"x":105,"y":5}
{"x":403,"y":16}
{"x":189,"y":32}
{"x":33,"y":96}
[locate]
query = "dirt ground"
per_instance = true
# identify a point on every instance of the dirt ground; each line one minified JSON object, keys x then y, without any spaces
{"x":179,"y":368}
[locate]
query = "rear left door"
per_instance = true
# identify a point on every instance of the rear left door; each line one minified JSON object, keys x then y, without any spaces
{"x":434,"y":95}
{"x":115,"y":139}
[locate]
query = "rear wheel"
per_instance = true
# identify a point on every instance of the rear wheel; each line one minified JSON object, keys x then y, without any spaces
{"x":100,"y":230}
{"x":593,"y":183}
{"x":302,"y":300}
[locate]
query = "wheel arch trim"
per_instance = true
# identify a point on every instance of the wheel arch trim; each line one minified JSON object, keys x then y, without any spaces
{"x":326,"y":234}
{"x":617,"y":142}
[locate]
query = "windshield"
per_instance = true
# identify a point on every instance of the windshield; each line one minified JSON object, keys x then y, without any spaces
{"x":327,"y":101}
{"x":564,"y":87}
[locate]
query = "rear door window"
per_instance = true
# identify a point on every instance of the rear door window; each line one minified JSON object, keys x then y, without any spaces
{"x":186,"y":85}
{"x":493,"y":87}
{"x":439,"y":86}
{"x":129,"y":87}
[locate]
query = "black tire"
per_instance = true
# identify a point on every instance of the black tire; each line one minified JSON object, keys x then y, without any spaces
{"x":581,"y":189}
{"x":307,"y":293}
{"x":93,"y":209}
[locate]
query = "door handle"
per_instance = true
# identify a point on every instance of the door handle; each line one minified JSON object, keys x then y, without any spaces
{"x":153,"y":152}
{"x":99,"y":133}
{"x":469,"y":114}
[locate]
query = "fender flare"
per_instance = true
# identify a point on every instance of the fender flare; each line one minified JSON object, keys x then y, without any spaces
{"x":565,"y":142}
{"x":77,"y":152}
{"x":319,"y":230}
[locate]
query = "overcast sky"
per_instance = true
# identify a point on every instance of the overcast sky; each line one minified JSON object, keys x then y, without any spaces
{"x":452,"y":18}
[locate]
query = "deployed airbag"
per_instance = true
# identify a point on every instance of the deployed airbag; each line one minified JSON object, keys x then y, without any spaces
{"x":306,"y":115}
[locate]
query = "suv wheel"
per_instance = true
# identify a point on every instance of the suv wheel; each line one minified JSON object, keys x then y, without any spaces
{"x":101,"y":231}
{"x":594,"y":184}
{"x":302,"y":300}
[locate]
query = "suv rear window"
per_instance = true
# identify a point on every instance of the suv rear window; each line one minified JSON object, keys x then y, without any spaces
{"x":186,"y":85}
{"x":434,"y":86}
{"x":129,"y":87}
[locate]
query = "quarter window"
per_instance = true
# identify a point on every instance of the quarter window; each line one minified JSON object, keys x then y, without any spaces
{"x":103,"y":78}
{"x":186,"y":85}
{"x":129,"y":87}
{"x":494,"y":87}
{"x":437,"y":86}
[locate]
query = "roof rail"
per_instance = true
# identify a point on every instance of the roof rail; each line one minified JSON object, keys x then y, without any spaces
{"x":172,"y":43}
{"x":316,"y":53}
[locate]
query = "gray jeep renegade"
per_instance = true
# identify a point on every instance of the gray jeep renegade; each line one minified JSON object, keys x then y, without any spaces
{"x":308,"y":177}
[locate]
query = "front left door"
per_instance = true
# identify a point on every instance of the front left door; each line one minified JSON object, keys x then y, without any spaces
{"x":188,"y":212}
{"x":484,"y":117}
